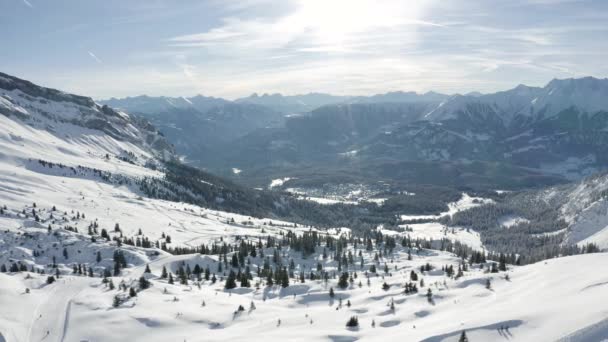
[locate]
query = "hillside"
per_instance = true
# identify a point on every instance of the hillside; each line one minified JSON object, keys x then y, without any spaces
{"x":92,"y":199}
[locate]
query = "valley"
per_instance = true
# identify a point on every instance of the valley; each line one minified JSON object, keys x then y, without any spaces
{"x":101,"y":222}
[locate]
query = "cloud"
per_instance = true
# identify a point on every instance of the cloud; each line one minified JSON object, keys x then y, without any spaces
{"x":311,"y":22}
{"x":28,"y":4}
{"x":358,"y":47}
{"x":95,"y":57}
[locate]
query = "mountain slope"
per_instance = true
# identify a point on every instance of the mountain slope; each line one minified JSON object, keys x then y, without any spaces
{"x":75,"y":119}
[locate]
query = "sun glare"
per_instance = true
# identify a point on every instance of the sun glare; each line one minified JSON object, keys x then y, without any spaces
{"x":334,"y":21}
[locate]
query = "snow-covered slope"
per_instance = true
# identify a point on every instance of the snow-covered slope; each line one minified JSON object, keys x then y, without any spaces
{"x":584,"y":206}
{"x":587,"y":94}
{"x":76,"y":119}
{"x":529,"y":306}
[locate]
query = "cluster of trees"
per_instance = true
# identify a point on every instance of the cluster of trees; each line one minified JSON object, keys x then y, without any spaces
{"x":537,"y":236}
{"x":84,"y":171}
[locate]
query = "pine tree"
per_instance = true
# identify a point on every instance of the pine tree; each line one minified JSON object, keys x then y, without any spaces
{"x":502,"y":263}
{"x":343,"y":281}
{"x":331,"y":292}
{"x":463,"y":337}
{"x":147,"y":270}
{"x":230,"y":281}
{"x":353,"y":322}
{"x":284,"y":278}
{"x":132,"y":292}
{"x":163,"y":274}
{"x":143,"y":283}
{"x":116,"y":301}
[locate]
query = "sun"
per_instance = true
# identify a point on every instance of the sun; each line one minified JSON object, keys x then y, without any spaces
{"x":336,"y":20}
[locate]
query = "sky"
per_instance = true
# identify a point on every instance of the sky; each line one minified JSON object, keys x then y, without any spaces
{"x":225,"y":48}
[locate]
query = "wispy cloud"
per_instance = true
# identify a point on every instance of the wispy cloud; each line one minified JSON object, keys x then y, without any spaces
{"x":95,"y":57}
{"x":233,"y":48}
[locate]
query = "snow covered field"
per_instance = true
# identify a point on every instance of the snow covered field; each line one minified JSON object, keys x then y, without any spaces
{"x":464,"y":203}
{"x":531,"y":304}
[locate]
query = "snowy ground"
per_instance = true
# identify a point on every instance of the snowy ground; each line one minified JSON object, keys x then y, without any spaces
{"x":531,"y":303}
{"x":464,"y":203}
{"x":353,"y":197}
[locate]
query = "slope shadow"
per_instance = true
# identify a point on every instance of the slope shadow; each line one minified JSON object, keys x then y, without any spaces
{"x":511,"y":324}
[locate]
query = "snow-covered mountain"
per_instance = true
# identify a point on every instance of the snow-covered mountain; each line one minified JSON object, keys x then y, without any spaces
{"x":401,"y":97}
{"x":586,"y":94}
{"x":151,"y":104}
{"x":293,"y":104}
{"x":95,"y":229}
{"x":584,"y":206}
{"x":71,"y":119}
{"x":558,"y":132}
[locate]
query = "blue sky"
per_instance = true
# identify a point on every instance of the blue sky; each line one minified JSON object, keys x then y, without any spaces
{"x":356,"y":47}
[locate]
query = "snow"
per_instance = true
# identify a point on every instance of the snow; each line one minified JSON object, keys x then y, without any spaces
{"x":354,"y":197}
{"x":511,"y":220}
{"x":236,"y":171}
{"x":531,"y":303}
{"x":464,"y":203}
{"x":278,"y":182}
{"x":438,"y":231}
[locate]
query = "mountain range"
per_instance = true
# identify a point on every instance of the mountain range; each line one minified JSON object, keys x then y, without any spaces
{"x":511,"y":138}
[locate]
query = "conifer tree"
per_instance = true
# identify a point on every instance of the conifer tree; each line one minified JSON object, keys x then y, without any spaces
{"x":343,"y":281}
{"x":143,"y":283}
{"x":230,"y":281}
{"x":116,"y":301}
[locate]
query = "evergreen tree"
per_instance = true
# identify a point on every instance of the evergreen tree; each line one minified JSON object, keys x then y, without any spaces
{"x":116,"y":301}
{"x":343,"y":281}
{"x":143,"y":283}
{"x":230,"y":281}
{"x":284,"y":278}
{"x":463,"y":337}
{"x":353,"y":322}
